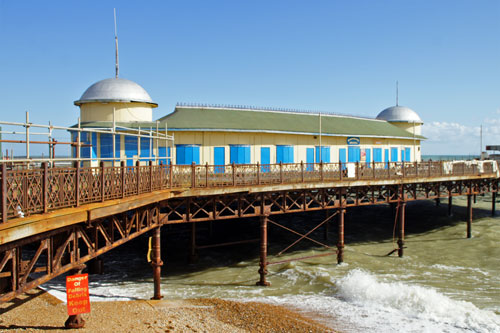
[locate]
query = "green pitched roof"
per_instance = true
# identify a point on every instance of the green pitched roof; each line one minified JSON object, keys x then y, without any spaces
{"x":191,"y":118}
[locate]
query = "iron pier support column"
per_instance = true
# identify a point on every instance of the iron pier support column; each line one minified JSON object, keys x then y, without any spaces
{"x":493,"y":203}
{"x":263,"y":252}
{"x":157,"y":263}
{"x":401,"y":228}
{"x":192,"y":255}
{"x":469,"y":216}
{"x":450,"y":205}
{"x":340,"y":243}
{"x":75,"y":321}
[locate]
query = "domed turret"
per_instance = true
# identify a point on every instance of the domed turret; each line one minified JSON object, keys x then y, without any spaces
{"x":400,"y":114}
{"x":402,"y":117}
{"x":127,"y":100}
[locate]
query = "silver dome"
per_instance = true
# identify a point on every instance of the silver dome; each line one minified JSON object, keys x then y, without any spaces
{"x":400,"y":114}
{"x":115,"y":90}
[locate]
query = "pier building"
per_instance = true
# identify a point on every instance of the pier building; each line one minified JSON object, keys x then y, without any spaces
{"x":221,"y":135}
{"x":118,"y":104}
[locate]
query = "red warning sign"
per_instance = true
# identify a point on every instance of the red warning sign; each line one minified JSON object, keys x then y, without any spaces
{"x":77,"y":293}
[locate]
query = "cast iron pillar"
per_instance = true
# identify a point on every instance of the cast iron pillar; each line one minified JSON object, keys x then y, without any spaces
{"x":193,"y":257}
{"x":157,"y":263}
{"x":263,"y":252}
{"x":401,"y":228}
{"x":340,"y":243}
{"x":450,"y":205}
{"x":75,"y":321}
{"x":493,"y":203}
{"x":469,"y":216}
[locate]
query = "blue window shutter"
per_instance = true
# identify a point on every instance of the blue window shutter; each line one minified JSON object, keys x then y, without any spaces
{"x":247,"y":155}
{"x":180,"y":156}
{"x":265,"y":158}
{"x":196,"y":154}
{"x":130,"y":149}
{"x":279,"y":154}
{"x":117,"y":146}
{"x":407,"y":154}
{"x":342,"y":155}
{"x":94,"y":145}
{"x":106,"y":145}
{"x":377,"y":154}
{"x":325,"y":154}
{"x":394,"y":154}
{"x":233,"y":154}
{"x":368,"y":156}
{"x":145,"y":151}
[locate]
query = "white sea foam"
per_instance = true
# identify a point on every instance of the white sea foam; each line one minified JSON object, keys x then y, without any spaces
{"x":362,"y":303}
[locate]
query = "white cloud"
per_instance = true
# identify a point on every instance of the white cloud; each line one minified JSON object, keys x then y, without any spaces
{"x":459,"y":139}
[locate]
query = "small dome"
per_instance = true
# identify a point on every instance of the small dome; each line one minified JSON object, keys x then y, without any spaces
{"x":400,"y":114}
{"x":115,"y":90}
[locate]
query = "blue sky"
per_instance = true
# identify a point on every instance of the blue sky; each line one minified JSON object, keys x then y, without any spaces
{"x":332,"y":56}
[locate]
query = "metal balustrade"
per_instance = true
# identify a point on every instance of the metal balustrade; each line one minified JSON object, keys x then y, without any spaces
{"x":39,"y":190}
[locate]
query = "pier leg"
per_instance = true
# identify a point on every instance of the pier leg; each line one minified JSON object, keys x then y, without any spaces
{"x":438,"y":202}
{"x":263,"y":252}
{"x":157,"y":263}
{"x":469,"y":216}
{"x":193,"y":257}
{"x":340,"y":243}
{"x":96,"y":266}
{"x":493,"y":203}
{"x":401,"y":226}
{"x":75,"y":321}
{"x":327,"y":225}
{"x":475,"y":199}
{"x":450,"y":205}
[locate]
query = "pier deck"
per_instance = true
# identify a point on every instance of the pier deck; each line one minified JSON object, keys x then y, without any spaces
{"x":72,"y":215}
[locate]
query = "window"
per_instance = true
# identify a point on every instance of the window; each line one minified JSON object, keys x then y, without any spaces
{"x":163,"y":153}
{"x":130,"y":149}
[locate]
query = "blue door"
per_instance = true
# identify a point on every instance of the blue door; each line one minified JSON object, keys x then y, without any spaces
{"x":354,"y":154}
{"x":407,"y":154}
{"x":368,"y":156}
{"x":386,"y":158}
{"x":403,"y":155}
{"x":377,"y":155}
{"x":342,"y":157}
{"x":219,"y":159}
{"x":265,"y":158}
{"x":309,"y":159}
{"x":394,"y":154}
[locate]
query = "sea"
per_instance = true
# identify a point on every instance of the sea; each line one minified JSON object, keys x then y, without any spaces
{"x":444,"y":283}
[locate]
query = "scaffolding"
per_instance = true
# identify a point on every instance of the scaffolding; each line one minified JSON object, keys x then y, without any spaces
{"x":157,"y":137}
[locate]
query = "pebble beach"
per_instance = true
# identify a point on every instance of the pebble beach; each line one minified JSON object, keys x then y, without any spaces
{"x":38,"y":311}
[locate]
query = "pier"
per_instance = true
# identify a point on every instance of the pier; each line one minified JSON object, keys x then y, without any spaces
{"x":73,"y":215}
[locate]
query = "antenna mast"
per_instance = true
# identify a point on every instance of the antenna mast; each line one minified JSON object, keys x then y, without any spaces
{"x":117,"y":66}
{"x":397,"y":93}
